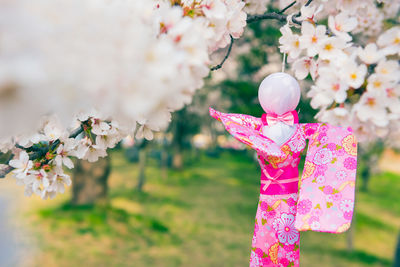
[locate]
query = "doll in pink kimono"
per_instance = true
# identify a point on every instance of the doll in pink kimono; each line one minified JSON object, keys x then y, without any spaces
{"x":321,"y":200}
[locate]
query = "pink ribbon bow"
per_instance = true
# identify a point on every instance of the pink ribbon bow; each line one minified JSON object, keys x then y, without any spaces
{"x":274,"y":179}
{"x":271,"y":178}
{"x":288,"y":118}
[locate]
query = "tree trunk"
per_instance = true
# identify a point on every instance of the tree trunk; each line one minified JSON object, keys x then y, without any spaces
{"x":349,"y":238}
{"x":90,"y":182}
{"x":164,"y":164}
{"x":142,"y":169}
{"x":352,"y":230}
{"x":177,"y":161}
{"x":214,"y":138}
{"x":396,"y":262}
{"x":369,"y":155}
{"x":365,"y":175}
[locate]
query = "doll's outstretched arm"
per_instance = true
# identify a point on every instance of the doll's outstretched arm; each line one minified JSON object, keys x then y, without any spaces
{"x":242,"y":119}
{"x":246,"y":129}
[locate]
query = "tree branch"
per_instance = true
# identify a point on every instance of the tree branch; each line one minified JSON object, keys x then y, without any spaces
{"x":5,"y":171}
{"x":280,"y":17}
{"x":226,"y":56}
{"x":41,"y":152}
{"x":272,"y":15}
{"x":287,"y":7}
{"x":308,"y":2}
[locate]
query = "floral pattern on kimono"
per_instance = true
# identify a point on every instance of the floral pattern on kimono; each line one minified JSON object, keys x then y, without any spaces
{"x":322,"y":200}
{"x":276,"y":242}
{"x":328,"y":182}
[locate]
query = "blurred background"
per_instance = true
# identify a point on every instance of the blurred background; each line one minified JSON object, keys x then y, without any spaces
{"x":189,"y":197}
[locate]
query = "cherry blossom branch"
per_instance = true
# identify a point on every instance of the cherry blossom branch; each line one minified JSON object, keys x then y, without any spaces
{"x":271,"y":15}
{"x":278,"y":15}
{"x":306,"y":4}
{"x":287,"y":7}
{"x":226,"y":56}
{"x":40,"y":152}
{"x":253,"y":18}
{"x":5,"y":171}
{"x":281,"y":17}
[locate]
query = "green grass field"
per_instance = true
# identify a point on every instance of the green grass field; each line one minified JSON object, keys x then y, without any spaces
{"x":201,"y":216}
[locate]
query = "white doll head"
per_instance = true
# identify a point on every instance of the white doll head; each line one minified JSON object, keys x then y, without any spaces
{"x":279,"y":93}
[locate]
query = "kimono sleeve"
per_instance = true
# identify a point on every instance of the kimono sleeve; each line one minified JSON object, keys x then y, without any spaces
{"x":327,"y":185}
{"x":246,"y":129}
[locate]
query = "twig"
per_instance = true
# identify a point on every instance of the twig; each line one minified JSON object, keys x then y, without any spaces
{"x":5,"y":171}
{"x":308,"y":2}
{"x":286,"y":8}
{"x":280,"y":17}
{"x":42,"y":151}
{"x":226,"y":56}
{"x":272,"y":15}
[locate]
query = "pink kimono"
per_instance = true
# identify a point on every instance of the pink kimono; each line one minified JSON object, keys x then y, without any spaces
{"x":322,"y":200}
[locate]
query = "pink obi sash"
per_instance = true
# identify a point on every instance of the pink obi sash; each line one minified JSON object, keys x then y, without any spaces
{"x":282,"y":182}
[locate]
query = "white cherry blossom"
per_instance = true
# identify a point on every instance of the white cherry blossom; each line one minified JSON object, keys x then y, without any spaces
{"x":6,"y":144}
{"x":390,"y":41}
{"x":303,"y":66}
{"x":22,"y":165}
{"x":59,"y":182}
{"x":393,"y":100}
{"x":53,"y":129}
{"x":311,"y":37}
{"x":140,"y":81}
{"x":309,"y":12}
{"x":369,"y":19}
{"x":46,"y":194}
{"x":107,"y":141}
{"x":353,"y":74}
{"x":370,"y":108}
{"x":95,"y":152}
{"x":390,"y":8}
{"x":38,"y":180}
{"x":99,"y":127}
{"x":28,"y":139}
{"x":63,"y":151}
{"x":290,"y":43}
{"x":331,"y":48}
{"x":378,"y":83}
{"x":256,"y":6}
{"x":124,"y":76}
{"x":389,"y":69}
{"x":370,"y":54}
{"x":144,"y":132}
{"x":342,"y":24}
{"x":328,"y":88}
{"x":350,"y":5}
{"x":335,"y":116}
